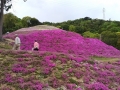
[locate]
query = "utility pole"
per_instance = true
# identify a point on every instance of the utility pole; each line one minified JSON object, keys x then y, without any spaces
{"x":103,"y":13}
{"x":103,"y":19}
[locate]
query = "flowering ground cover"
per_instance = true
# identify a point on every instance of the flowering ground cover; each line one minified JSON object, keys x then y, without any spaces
{"x":65,"y":42}
{"x":23,"y":70}
{"x":65,"y":61}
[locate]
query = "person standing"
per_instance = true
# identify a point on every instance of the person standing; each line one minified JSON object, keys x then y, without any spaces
{"x":17,"y":43}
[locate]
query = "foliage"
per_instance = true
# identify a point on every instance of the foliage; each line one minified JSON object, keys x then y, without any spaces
{"x":88,"y":34}
{"x":34,"y":22}
{"x":109,"y":37}
{"x":28,"y":21}
{"x":65,"y":27}
{"x":72,"y":28}
{"x":7,"y":4}
{"x":11,"y":23}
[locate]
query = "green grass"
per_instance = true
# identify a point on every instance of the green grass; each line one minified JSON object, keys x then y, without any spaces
{"x":5,"y":45}
{"x":105,"y":59}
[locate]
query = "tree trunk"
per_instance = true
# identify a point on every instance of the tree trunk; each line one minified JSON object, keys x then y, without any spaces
{"x":1,"y":17}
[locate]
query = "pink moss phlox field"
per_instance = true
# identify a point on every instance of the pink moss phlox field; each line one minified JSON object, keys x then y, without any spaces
{"x":97,"y":86}
{"x":63,"y":60}
{"x":56,"y":70}
{"x":65,"y":42}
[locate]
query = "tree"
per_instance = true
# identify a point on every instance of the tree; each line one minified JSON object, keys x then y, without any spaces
{"x":87,"y":18}
{"x":109,"y":38}
{"x":118,"y":41}
{"x":72,"y":28}
{"x":88,"y":34}
{"x":9,"y":26}
{"x":26,"y":21}
{"x":4,"y":4}
{"x":34,"y":22}
{"x":65,"y":27}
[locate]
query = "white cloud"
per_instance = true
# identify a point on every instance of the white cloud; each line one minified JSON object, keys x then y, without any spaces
{"x":62,"y":10}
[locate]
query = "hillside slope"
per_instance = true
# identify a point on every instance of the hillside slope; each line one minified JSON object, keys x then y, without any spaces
{"x":66,"y":61}
{"x":38,"y":27}
{"x":26,"y":70}
{"x":64,"y":41}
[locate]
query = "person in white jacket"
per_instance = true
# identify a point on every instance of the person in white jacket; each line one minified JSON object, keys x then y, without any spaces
{"x":17,"y":43}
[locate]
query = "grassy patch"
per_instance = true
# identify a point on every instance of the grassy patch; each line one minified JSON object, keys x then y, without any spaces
{"x":5,"y":45}
{"x":105,"y":59}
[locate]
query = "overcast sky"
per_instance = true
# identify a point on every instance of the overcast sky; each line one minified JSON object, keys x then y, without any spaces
{"x":63,"y":10}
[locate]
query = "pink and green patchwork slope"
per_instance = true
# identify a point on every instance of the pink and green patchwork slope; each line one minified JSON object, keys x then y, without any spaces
{"x":65,"y":42}
{"x":62,"y":63}
{"x":23,"y":70}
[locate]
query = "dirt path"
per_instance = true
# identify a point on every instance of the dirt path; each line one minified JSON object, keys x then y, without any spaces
{"x":9,"y":40}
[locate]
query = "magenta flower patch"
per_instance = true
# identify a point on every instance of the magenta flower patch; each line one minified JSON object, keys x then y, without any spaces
{"x":65,"y":42}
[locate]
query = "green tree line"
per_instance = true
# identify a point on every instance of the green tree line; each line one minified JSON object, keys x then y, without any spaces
{"x":12,"y":22}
